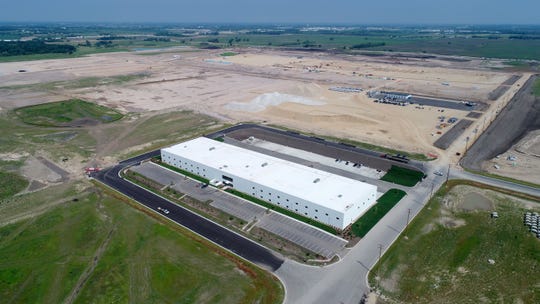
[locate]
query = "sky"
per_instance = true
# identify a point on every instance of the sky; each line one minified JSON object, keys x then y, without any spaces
{"x":275,"y":11}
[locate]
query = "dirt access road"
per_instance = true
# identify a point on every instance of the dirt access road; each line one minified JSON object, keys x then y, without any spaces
{"x":519,"y":117}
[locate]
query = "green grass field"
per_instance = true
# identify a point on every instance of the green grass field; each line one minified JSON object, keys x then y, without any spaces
{"x":62,"y":113}
{"x":386,"y":202}
{"x":403,"y":176}
{"x":139,"y":259}
{"x":443,"y":258}
{"x":10,"y":184}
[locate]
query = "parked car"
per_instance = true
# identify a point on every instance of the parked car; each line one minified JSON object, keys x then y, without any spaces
{"x":165,"y":211}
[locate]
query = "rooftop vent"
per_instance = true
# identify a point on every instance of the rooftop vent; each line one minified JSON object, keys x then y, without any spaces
{"x":212,"y":148}
{"x":264,"y":165}
{"x":340,"y":195}
{"x":317,"y":180}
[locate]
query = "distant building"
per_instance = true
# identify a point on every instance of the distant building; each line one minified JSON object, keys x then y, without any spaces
{"x":328,"y":198}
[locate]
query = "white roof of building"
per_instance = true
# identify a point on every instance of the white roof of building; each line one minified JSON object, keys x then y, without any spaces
{"x":323,"y":188}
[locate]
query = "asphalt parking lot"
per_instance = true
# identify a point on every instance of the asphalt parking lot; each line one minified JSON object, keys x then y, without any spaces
{"x":304,"y":235}
{"x":450,"y":136}
{"x":301,"y":234}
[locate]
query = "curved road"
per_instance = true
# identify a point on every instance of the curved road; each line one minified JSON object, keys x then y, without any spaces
{"x":220,"y":235}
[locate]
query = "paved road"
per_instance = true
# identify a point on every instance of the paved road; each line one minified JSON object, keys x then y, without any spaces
{"x":227,"y":239}
{"x":521,"y":115}
{"x":346,"y":280}
{"x":462,"y":174}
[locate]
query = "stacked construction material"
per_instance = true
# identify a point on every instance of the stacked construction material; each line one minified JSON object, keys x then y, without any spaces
{"x":532,"y":220}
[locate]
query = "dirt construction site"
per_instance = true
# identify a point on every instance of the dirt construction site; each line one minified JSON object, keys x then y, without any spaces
{"x":292,"y":89}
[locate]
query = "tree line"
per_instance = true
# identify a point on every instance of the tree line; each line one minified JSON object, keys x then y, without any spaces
{"x":16,"y":48}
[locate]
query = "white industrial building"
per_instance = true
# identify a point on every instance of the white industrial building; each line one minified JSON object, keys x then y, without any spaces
{"x":329,"y":198}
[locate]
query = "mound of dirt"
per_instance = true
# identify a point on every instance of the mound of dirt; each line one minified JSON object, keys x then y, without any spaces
{"x":261,"y":102}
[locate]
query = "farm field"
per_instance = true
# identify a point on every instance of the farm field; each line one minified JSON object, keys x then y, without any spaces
{"x":454,"y":244}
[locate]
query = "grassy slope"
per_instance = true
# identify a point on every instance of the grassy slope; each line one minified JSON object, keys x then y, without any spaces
{"x":144,"y":261}
{"x":57,"y":113}
{"x":449,"y":265}
{"x":10,"y":184}
{"x":402,"y":176}
{"x":386,"y":202}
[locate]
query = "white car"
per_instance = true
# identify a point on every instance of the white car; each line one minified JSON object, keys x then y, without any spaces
{"x":165,"y":211}
{"x":438,"y":173}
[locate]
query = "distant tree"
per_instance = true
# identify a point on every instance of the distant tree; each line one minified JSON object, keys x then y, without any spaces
{"x":15,"y":48}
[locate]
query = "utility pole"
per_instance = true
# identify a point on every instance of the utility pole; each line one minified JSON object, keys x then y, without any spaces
{"x":408,"y":217}
{"x":431,"y":193}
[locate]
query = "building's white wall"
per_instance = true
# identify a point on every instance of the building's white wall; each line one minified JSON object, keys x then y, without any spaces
{"x":306,"y":208}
